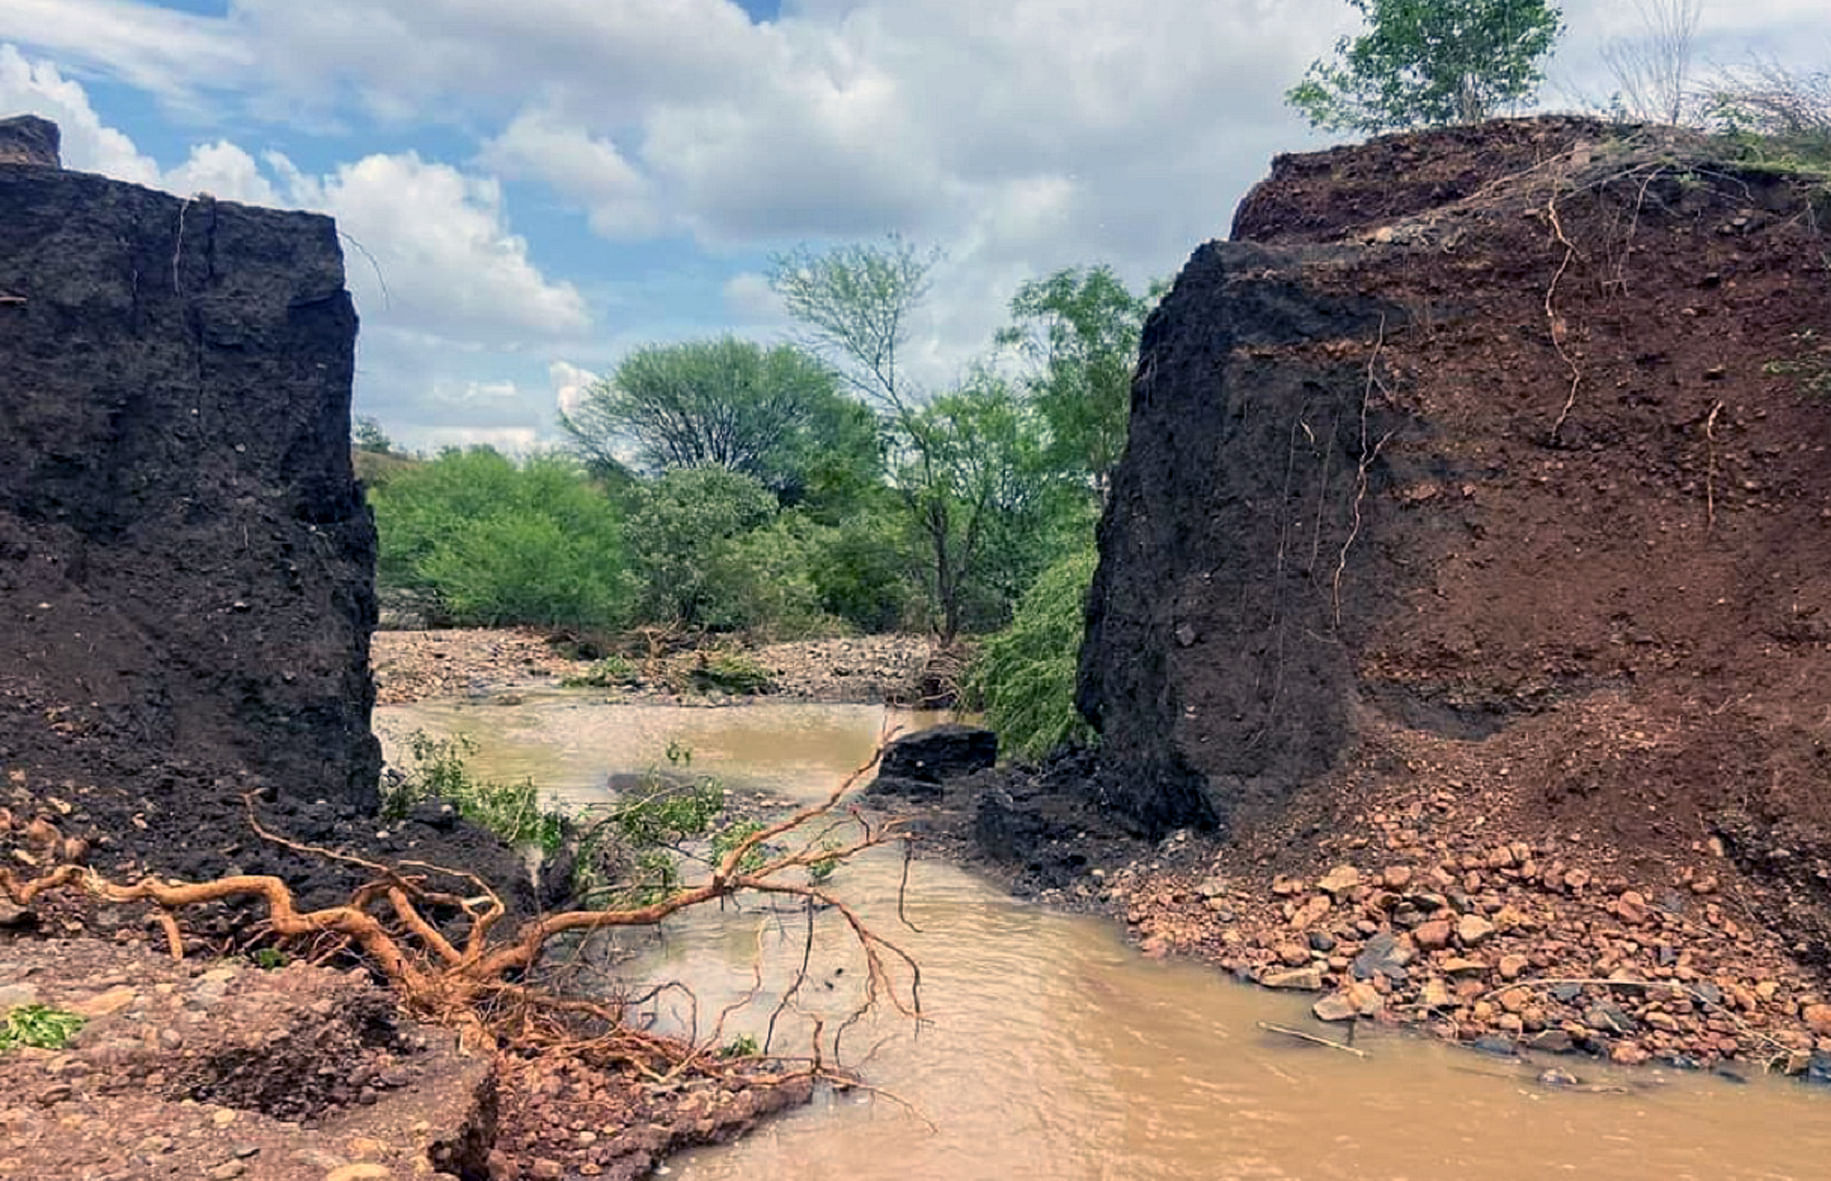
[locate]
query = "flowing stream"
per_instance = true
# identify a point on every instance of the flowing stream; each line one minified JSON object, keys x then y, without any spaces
{"x":1052,"y":1050}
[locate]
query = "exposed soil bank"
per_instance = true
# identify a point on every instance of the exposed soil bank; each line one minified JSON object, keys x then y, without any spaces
{"x":186,"y":567}
{"x":485,"y":662}
{"x":223,"y":1070}
{"x":182,"y":541}
{"x":1475,"y":533}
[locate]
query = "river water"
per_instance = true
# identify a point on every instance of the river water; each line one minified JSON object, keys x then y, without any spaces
{"x":1052,"y":1050}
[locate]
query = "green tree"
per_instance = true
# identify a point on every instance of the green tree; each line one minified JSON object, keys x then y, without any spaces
{"x":1081,"y":325}
{"x":368,"y":436}
{"x":981,"y":505}
{"x":775,"y":414}
{"x":682,"y":532}
{"x":986,"y":509}
{"x":854,"y":303}
{"x":1430,"y":62}
{"x":499,"y":542}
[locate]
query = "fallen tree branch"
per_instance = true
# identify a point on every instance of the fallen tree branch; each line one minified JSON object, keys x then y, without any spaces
{"x":1313,"y":1039}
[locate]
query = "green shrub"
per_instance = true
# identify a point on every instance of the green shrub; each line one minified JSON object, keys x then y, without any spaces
{"x":861,"y":573}
{"x":681,"y":532}
{"x":39,"y":1027}
{"x":1023,"y":677}
{"x":764,"y":581}
{"x":730,"y":672}
{"x":440,"y":772}
{"x":501,"y":543}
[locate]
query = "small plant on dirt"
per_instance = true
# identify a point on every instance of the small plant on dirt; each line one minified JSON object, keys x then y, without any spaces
{"x":820,"y":871}
{"x":612,"y":672}
{"x":1809,"y":366}
{"x":742,"y":1046}
{"x":269,"y":959}
{"x":39,"y":1027}
{"x":441,"y":772}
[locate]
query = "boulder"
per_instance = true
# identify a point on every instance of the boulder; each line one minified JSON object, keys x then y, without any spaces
{"x":934,"y":756}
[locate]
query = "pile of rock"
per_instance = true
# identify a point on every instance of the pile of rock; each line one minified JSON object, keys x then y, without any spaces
{"x":1510,"y":942}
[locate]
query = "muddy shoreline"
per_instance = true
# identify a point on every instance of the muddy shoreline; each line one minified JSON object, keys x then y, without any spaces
{"x":1425,"y":910}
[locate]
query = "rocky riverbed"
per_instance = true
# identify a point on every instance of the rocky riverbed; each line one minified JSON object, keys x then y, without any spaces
{"x":1434,"y":906}
{"x":483,"y":662}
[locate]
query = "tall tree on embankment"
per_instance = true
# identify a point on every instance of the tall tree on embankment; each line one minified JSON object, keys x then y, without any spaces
{"x":1426,"y":63}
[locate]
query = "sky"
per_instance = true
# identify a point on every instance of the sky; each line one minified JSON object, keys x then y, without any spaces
{"x":528,"y":189}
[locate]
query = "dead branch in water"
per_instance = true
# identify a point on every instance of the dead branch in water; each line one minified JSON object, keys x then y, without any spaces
{"x":476,"y":982}
{"x":1313,"y":1039}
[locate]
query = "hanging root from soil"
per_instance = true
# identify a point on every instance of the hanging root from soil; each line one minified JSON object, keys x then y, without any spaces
{"x":1710,"y":468}
{"x":1555,"y":323}
{"x":469,"y":978}
{"x":1369,"y":454}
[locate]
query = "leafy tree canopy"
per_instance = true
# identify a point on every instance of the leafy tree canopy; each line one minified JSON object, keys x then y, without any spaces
{"x":1083,"y":325}
{"x":773,"y":414}
{"x":1430,"y":62}
{"x":854,"y":304}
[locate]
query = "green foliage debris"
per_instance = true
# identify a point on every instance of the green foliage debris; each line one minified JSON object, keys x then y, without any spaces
{"x":39,"y":1027}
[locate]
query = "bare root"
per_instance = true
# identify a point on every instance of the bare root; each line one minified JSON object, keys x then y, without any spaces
{"x":478,"y":984}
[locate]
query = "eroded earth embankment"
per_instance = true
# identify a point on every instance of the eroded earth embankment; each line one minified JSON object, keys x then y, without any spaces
{"x":1475,"y":532}
{"x":185,"y":557}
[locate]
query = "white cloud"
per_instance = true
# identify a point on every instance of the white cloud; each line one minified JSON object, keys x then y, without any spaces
{"x":570,"y":383}
{"x":511,"y":440}
{"x":169,"y":53}
{"x":224,"y":171}
{"x":750,"y":300}
{"x":439,"y":238}
{"x":590,"y":171}
{"x":1024,"y":135}
{"x":39,"y":88}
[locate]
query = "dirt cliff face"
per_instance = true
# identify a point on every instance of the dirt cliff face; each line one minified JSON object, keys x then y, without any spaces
{"x":185,"y":560}
{"x":1500,"y":455}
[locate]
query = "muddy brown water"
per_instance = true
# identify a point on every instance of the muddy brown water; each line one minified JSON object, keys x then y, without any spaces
{"x":1053,"y":1050}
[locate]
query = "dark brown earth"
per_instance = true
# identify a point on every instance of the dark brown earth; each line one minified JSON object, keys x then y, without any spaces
{"x":180,"y":530}
{"x":1619,"y":603}
{"x":185,"y":556}
{"x":223,"y":1070}
{"x":1479,"y":501}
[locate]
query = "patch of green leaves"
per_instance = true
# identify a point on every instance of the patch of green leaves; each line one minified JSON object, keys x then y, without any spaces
{"x":734,"y":834}
{"x":39,"y":1027}
{"x":731,"y":672}
{"x":1809,"y":366}
{"x":742,"y":1046}
{"x":269,"y":959}
{"x":612,"y":672}
{"x":441,"y":772}
{"x":1023,"y":677}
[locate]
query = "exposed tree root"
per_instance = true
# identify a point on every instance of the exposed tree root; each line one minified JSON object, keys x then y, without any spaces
{"x":480,"y":985}
{"x":1555,"y":323}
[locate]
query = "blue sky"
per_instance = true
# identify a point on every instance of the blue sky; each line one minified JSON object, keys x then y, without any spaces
{"x":545,"y":184}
